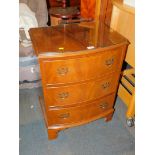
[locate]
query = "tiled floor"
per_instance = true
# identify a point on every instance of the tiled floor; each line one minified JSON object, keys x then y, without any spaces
{"x":95,"y":138}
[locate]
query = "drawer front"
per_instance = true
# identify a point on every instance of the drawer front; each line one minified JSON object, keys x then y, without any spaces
{"x":80,"y":113}
{"x":79,"y":69}
{"x":83,"y":92}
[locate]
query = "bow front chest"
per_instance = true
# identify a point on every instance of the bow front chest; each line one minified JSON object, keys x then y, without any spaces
{"x":79,"y":75}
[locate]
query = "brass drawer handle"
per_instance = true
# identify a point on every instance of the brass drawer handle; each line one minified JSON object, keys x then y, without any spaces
{"x":104,"y":105}
{"x":62,"y":71}
{"x":64,"y":116}
{"x":105,"y":85}
{"x":63,"y":95}
{"x":109,"y":62}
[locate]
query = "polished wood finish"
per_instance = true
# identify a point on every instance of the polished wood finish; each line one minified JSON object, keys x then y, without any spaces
{"x":77,"y":93}
{"x":92,"y":9}
{"x":72,"y":39}
{"x":109,"y":12}
{"x":88,"y":9}
{"x":52,"y":133}
{"x":107,"y":114}
{"x":108,"y":118}
{"x":64,"y":13}
{"x":60,"y":72}
{"x":79,"y":78}
{"x":79,"y":113}
{"x":57,"y":3}
{"x":63,"y":9}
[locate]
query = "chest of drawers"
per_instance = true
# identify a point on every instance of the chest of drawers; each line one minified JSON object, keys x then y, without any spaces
{"x":79,"y":78}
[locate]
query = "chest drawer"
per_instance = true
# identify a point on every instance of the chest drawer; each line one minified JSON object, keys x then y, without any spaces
{"x":82,"y":92}
{"x":80,"y":68}
{"x":80,"y":113}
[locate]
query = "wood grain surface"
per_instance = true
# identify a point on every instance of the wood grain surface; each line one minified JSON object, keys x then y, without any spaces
{"x":79,"y":83}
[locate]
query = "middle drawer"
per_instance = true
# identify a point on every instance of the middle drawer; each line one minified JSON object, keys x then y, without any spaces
{"x":82,"y":92}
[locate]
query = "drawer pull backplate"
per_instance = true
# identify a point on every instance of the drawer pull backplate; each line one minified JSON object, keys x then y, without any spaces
{"x":64,"y":116}
{"x":105,"y":85}
{"x":104,"y":105}
{"x":63,"y":95}
{"x":109,"y":62}
{"x":62,"y":71}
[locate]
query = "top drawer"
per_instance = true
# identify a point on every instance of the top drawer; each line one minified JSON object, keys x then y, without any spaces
{"x":78,"y":69}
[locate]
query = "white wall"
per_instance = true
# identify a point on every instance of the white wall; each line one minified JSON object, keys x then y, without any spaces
{"x":130,"y":2}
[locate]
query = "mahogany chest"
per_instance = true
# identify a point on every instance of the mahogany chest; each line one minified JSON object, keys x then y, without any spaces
{"x":80,"y":74}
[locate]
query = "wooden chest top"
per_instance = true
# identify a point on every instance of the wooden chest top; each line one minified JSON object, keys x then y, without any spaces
{"x":72,"y":38}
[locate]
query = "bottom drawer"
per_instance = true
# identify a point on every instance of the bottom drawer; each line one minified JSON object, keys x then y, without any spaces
{"x":87,"y":112}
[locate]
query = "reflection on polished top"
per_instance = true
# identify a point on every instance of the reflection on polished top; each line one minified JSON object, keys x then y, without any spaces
{"x":72,"y":38}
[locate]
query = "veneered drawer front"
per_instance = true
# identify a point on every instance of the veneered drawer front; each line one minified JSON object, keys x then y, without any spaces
{"x":80,"y":113}
{"x":80,"y":69}
{"x":82,"y":92}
